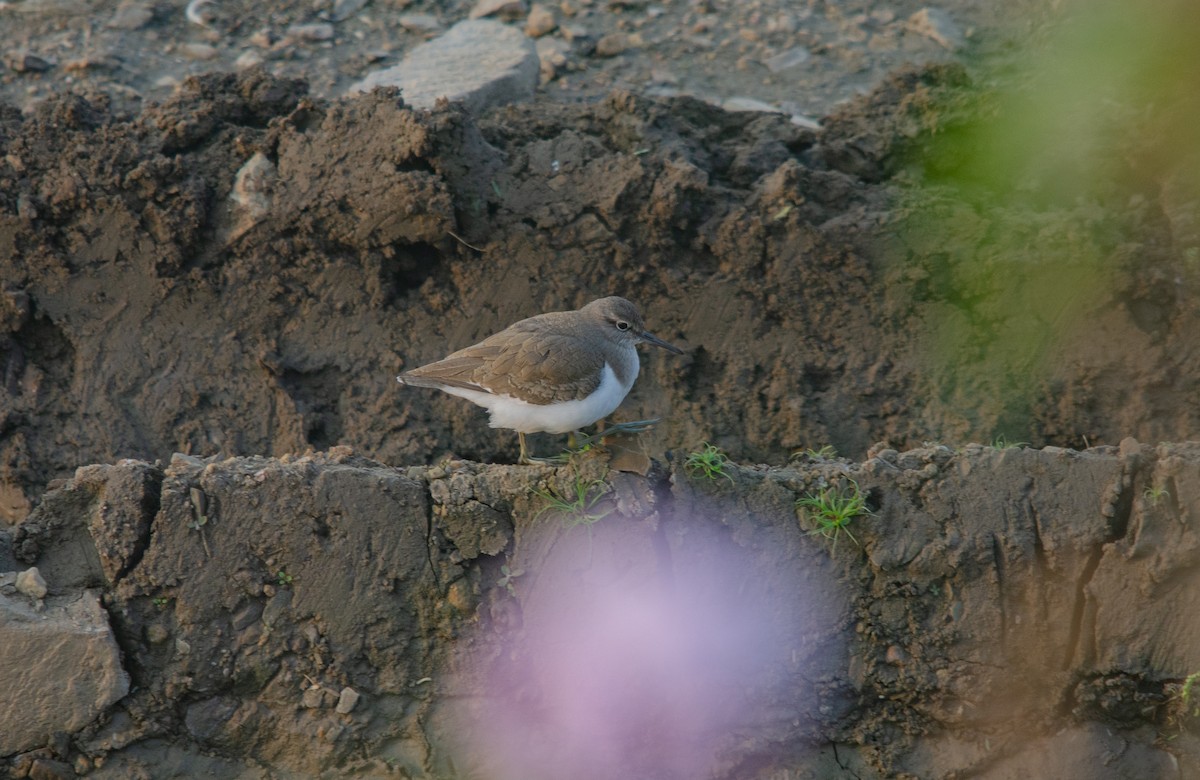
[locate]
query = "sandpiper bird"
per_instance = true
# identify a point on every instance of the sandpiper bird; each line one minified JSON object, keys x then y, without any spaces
{"x":553,"y":373}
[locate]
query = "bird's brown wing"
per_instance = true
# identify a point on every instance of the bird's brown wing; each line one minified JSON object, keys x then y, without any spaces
{"x":531,"y":363}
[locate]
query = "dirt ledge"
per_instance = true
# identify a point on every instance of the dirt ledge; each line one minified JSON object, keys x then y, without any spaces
{"x":1007,"y":610}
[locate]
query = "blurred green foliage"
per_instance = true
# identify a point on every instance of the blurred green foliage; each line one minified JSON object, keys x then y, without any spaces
{"x":1041,"y":195}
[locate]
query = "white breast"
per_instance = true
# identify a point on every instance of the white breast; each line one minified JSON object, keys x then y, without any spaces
{"x":561,"y":417}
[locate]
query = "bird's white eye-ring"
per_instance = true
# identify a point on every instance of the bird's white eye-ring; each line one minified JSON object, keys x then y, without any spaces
{"x":622,"y":325}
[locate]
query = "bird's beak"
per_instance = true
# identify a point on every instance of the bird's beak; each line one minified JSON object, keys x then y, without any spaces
{"x":656,"y":341}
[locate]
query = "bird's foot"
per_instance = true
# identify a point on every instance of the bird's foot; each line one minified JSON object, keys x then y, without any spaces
{"x":552,"y":460}
{"x":634,"y":426}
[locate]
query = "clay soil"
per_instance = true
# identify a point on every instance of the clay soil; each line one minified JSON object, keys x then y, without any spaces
{"x":1020,"y":602}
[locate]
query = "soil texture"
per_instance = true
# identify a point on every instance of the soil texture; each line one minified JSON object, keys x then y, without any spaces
{"x":281,"y":563}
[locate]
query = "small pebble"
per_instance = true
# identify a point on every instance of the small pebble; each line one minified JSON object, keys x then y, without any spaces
{"x":30,"y":583}
{"x":419,"y":23}
{"x":131,"y":16}
{"x":613,"y":44}
{"x":785,"y":60}
{"x":540,"y":21}
{"x":25,"y":62}
{"x":248,"y":59}
{"x":315,"y":32}
{"x":505,"y":9}
{"x":313,"y":698}
{"x":198,"y":51}
{"x":347,"y":701}
{"x":344,"y":9}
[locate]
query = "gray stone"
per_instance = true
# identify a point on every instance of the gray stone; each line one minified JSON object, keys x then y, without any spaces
{"x":315,"y":32}
{"x":478,"y":62}
{"x":741,"y":103}
{"x":313,"y":697}
{"x":419,"y":23}
{"x":198,"y":51}
{"x":344,"y":9}
{"x":26,"y":62}
{"x":60,"y":665}
{"x":347,"y":701}
{"x":131,"y":16}
{"x":787,"y":59}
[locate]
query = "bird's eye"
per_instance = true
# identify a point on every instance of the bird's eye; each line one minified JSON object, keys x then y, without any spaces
{"x":622,"y":325}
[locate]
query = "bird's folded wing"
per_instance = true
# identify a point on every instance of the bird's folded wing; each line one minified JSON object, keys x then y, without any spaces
{"x":540,"y":369}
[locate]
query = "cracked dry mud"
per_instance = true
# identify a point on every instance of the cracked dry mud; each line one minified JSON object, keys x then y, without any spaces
{"x":1011,"y":612}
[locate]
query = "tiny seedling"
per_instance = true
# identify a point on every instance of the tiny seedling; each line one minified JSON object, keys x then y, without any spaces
{"x":1002,"y":443}
{"x":160,"y":602}
{"x":509,"y":576}
{"x":832,"y":508}
{"x":1186,"y":700}
{"x":1186,"y":693}
{"x":578,"y":506}
{"x":708,"y":462}
{"x":1154,"y":494}
{"x":826,"y":452}
{"x":284,"y":579}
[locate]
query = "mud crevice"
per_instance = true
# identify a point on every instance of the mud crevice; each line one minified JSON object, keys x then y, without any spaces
{"x":150,"y":506}
{"x":1001,"y":584}
{"x":1080,"y":606}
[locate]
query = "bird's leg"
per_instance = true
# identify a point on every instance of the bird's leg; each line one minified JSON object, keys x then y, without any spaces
{"x":528,"y":459}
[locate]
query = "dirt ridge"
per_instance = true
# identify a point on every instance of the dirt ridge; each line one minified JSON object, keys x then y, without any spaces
{"x":935,"y":649}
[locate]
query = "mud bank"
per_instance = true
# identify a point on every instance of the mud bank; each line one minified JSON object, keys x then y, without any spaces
{"x":1004,"y":613}
{"x":243,"y":270}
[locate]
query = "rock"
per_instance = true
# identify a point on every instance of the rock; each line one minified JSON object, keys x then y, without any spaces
{"x":92,"y":62}
{"x":30,"y":583}
{"x":198,"y":51}
{"x":552,"y":57}
{"x":748,"y":104}
{"x":313,"y":698}
{"x":344,"y":9}
{"x":117,"y":532}
{"x":248,"y":59}
{"x":785,"y":60}
{"x":61,"y":665}
{"x":419,"y":23}
{"x":26,"y":62}
{"x":614,"y":43}
{"x":131,"y":15}
{"x":505,"y":9}
{"x":312,"y":33}
{"x":936,"y":24}
{"x":276,"y":607}
{"x":347,"y":701}
{"x":49,"y":769}
{"x":252,"y":188}
{"x":156,"y":634}
{"x":478,"y":62}
{"x":540,"y":21}
{"x":205,"y":719}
